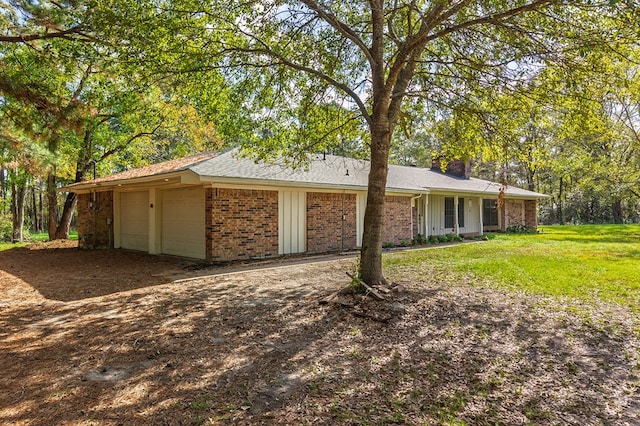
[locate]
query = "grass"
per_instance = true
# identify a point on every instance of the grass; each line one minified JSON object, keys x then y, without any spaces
{"x":44,"y":236}
{"x":36,"y":237}
{"x":587,"y":262}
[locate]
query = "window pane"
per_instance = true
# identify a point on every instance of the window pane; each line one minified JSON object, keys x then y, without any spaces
{"x":448,"y":212}
{"x":490,"y":212}
{"x":461,"y":212}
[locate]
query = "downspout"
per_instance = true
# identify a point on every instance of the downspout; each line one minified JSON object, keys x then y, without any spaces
{"x":411,"y":213}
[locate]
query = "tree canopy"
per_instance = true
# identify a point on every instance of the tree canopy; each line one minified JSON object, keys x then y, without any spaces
{"x":308,"y":70}
{"x":69,"y":106}
{"x":285,"y":78}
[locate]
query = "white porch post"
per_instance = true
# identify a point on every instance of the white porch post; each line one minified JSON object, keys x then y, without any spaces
{"x":481,"y":219}
{"x":455,"y":214}
{"x":426,"y":215}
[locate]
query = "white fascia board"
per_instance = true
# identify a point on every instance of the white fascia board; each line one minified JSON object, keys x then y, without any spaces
{"x":274,"y":183}
{"x":84,"y":187}
{"x":487,"y":194}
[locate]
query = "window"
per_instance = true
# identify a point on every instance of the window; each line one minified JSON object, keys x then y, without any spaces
{"x":490,"y":212}
{"x":449,"y":208}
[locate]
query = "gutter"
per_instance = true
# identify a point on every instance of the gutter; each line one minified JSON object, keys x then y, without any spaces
{"x":191,"y":178}
{"x":295,"y":184}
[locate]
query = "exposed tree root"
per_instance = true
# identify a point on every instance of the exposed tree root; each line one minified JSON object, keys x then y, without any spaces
{"x":362,"y":300}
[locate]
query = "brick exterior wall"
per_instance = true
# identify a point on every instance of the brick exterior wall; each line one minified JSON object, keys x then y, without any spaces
{"x":531,"y":213}
{"x":326,"y":229}
{"x":397,"y":219}
{"x":513,"y":212}
{"x":241,"y":224}
{"x":414,"y":215}
{"x":459,"y":168}
{"x":95,"y":221}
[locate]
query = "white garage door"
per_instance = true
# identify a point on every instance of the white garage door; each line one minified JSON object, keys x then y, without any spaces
{"x":134,"y":220}
{"x":183,"y":227}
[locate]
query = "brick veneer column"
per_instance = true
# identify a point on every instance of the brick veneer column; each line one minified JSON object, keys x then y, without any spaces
{"x":95,"y":220}
{"x":531,"y":214}
{"x":241,"y":224}
{"x":414,"y":219}
{"x":326,"y":229}
{"x":397,"y":219}
{"x":513,"y":213}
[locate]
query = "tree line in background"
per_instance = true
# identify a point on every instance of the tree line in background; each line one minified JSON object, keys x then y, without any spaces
{"x":71,"y":111}
{"x":581,"y":146}
{"x":540,"y":95}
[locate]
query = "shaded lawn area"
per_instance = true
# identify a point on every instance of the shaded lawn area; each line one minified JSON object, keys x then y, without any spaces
{"x":586,"y":262}
{"x":258,"y":348}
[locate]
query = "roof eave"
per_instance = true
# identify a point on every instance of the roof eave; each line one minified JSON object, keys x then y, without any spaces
{"x":186,"y":176}
{"x":531,"y":196}
{"x":295,"y":184}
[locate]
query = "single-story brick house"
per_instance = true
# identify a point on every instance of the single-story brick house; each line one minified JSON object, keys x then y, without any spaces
{"x":221,"y":207}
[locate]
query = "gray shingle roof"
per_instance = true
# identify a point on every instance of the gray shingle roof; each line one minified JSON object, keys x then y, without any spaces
{"x":329,"y":170}
{"x":334,"y":171}
{"x":324,"y":171}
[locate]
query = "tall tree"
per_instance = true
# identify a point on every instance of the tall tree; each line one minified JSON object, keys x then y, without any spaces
{"x":375,"y":59}
{"x":80,"y":109}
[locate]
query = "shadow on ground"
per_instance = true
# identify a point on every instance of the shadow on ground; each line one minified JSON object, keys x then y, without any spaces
{"x":67,"y":273}
{"x":257,"y":348}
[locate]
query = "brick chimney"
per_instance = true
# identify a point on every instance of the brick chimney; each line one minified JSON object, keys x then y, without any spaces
{"x":459,"y":168}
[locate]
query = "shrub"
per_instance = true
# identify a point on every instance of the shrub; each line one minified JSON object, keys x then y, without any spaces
{"x":387,"y":244}
{"x":418,"y":240}
{"x":520,"y":229}
{"x":456,"y":237}
{"x":432,"y":239}
{"x":443,"y":238}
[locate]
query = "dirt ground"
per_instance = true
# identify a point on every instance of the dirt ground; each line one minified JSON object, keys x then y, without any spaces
{"x":118,"y":338}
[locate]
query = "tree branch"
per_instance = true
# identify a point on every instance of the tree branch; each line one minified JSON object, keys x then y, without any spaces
{"x":487,"y":19}
{"x":340,"y":26}
{"x":131,"y":139}
{"x":77,"y":30}
{"x":268,"y":51}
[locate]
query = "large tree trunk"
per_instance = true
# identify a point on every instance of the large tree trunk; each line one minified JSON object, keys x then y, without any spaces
{"x":84,"y":160}
{"x":559,"y":211}
{"x":2,"y":183}
{"x":63,"y":228}
{"x":616,"y":208}
{"x":17,"y":211}
{"x":371,"y":255}
{"x":52,"y":203}
{"x":40,"y":208}
{"x":34,"y":210}
{"x":531,"y":185}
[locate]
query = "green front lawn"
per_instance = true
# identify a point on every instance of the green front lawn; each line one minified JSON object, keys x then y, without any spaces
{"x":8,"y":246}
{"x":588,"y":262}
{"x":38,"y":237}
{"x":44,"y":236}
